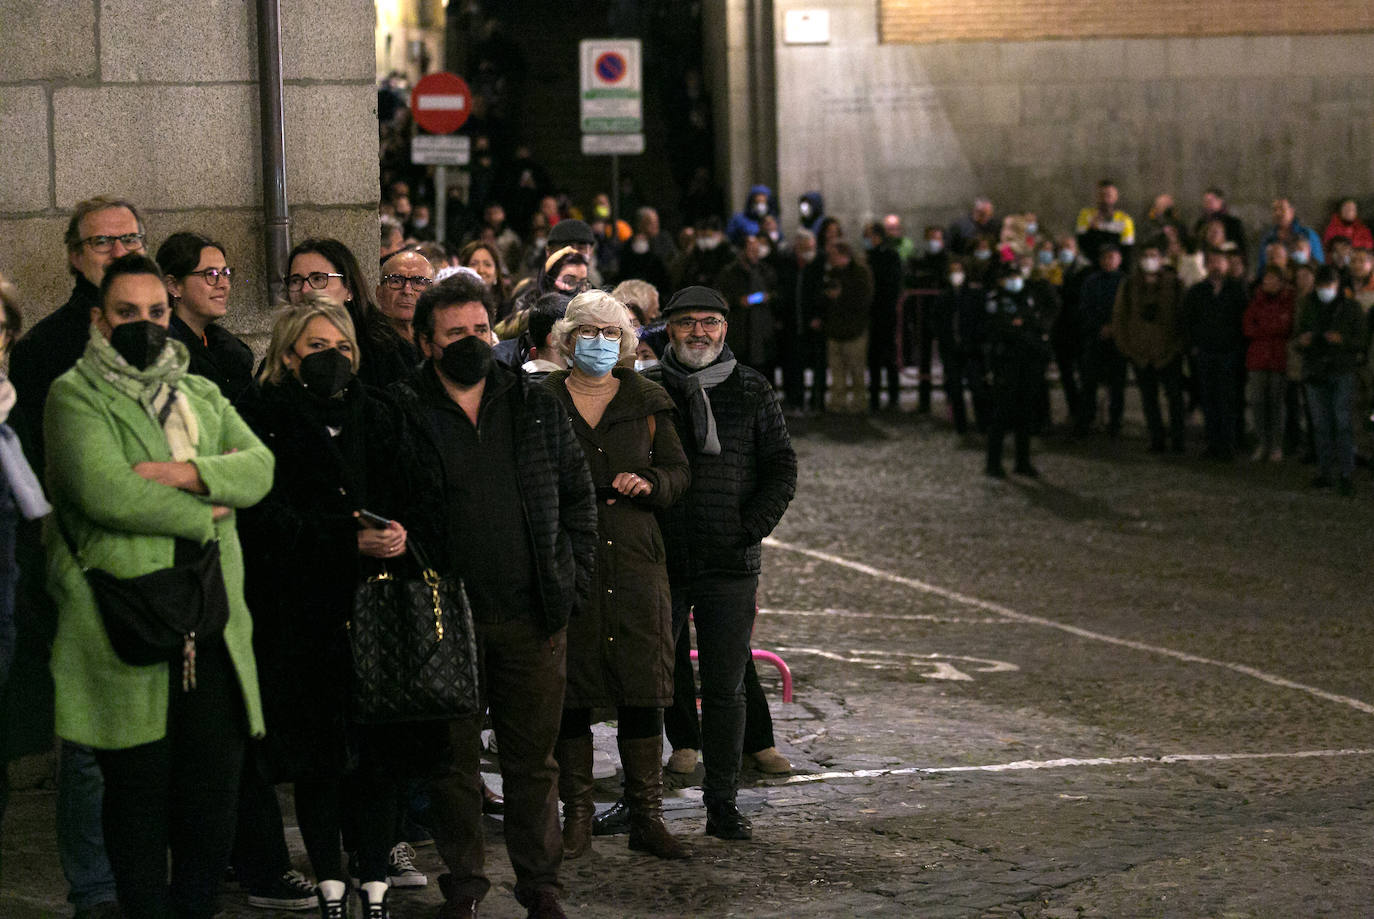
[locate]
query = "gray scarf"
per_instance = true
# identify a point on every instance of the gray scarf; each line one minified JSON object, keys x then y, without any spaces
{"x":697,"y":384}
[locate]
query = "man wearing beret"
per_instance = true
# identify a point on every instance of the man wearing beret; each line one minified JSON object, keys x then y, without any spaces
{"x":744,"y":473}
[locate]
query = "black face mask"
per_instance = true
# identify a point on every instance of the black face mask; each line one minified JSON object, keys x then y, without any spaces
{"x":326,"y":373}
{"x":466,"y":361}
{"x":139,"y":343}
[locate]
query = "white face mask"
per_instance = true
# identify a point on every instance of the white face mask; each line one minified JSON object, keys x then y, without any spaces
{"x":1013,"y":285}
{"x":765,"y":251}
{"x":642,"y":365}
{"x":1149,"y":265}
{"x":1326,"y":294}
{"x":707,"y":243}
{"x":956,"y":279}
{"x":640,"y":246}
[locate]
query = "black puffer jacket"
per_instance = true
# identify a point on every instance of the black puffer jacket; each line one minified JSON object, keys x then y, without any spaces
{"x":559,"y":501}
{"x":738,"y":497}
{"x":221,"y":358}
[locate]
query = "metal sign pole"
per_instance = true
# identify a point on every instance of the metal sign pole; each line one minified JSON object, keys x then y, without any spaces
{"x":615,"y":195}
{"x":441,"y":204}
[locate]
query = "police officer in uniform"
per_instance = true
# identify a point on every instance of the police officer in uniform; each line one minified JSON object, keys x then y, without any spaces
{"x":1016,"y":349}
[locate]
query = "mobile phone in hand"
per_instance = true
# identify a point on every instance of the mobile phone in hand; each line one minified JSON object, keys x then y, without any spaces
{"x":373,"y":521}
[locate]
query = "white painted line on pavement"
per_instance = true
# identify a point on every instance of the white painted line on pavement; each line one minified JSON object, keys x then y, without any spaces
{"x":909,"y":617}
{"x":1070,"y":762}
{"x":1009,"y":613}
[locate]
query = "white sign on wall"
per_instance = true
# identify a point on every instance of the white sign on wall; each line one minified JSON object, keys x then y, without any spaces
{"x":806,"y":27}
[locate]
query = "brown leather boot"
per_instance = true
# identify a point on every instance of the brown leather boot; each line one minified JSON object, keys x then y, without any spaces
{"x":642,"y":760}
{"x":575,"y":790}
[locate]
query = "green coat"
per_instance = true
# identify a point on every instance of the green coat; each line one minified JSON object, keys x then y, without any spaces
{"x":126,"y":525}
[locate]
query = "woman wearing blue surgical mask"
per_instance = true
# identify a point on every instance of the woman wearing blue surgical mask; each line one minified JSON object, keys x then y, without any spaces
{"x":620,"y":645}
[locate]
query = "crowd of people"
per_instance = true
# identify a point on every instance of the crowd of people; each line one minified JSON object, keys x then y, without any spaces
{"x":1270,"y":343}
{"x":584,"y":502}
{"x":583,"y":421}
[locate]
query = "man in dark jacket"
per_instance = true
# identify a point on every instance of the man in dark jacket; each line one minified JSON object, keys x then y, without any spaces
{"x":749,"y":285}
{"x":1102,"y":362}
{"x":1212,"y":311}
{"x":1015,"y":335}
{"x":744,"y":473}
{"x":885,"y":263}
{"x":517,"y":520}
{"x":846,"y":304}
{"x":100,"y":230}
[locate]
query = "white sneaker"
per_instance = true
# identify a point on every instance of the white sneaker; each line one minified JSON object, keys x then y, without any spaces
{"x":401,"y":870}
{"x":683,"y":762}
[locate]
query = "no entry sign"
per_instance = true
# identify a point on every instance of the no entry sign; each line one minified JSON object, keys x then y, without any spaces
{"x":441,"y":102}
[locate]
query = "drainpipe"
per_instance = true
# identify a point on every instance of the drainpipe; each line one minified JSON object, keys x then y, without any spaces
{"x":277,"y":218}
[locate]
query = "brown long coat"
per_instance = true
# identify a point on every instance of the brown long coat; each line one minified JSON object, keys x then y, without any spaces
{"x":620,"y":646}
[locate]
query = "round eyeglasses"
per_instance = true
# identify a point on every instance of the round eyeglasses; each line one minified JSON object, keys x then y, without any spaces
{"x":212,"y":275}
{"x":318,"y":280}
{"x":102,"y":244}
{"x":710,"y":323}
{"x":398,"y":281}
{"x":610,"y":332}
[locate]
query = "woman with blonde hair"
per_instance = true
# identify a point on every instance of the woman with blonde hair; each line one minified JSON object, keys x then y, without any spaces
{"x":620,"y":647}
{"x":307,"y":548}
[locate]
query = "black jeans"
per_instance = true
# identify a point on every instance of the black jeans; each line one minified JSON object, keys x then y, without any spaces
{"x":178,"y":793}
{"x":681,"y":722}
{"x":1149,"y":378}
{"x":1102,"y":364}
{"x":723,"y":609}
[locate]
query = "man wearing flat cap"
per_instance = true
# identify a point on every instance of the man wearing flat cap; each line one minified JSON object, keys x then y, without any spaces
{"x":744,"y":473}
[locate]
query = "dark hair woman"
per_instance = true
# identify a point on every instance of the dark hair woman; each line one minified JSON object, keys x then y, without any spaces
{"x":483,"y":258}
{"x":146,"y":464}
{"x":197,"y":276}
{"x":334,"y":439}
{"x":624,"y":422}
{"x":328,"y":267}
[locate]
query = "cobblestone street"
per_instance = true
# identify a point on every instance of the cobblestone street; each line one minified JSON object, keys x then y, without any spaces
{"x":1138,"y":687}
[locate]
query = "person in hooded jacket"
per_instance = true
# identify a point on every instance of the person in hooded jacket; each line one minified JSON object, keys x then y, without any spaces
{"x":810,"y":210}
{"x":620,"y":645}
{"x":759,"y":203}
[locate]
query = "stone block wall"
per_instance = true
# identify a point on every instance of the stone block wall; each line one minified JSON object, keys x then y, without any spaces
{"x":158,"y":103}
{"x":921,"y":128}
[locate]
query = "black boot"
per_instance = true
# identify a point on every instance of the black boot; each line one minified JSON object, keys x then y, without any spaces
{"x":614,"y":822}
{"x":724,"y":821}
{"x":642,"y":759}
{"x":575,"y":790}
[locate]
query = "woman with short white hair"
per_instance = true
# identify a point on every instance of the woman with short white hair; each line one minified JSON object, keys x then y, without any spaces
{"x":620,"y":646}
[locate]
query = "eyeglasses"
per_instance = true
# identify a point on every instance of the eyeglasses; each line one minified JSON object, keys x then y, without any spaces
{"x":130,"y":241}
{"x":212,"y":275}
{"x":318,"y":280}
{"x":398,"y":281}
{"x":610,"y":332}
{"x":710,"y":324}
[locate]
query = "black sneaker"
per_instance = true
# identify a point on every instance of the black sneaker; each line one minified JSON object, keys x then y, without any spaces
{"x":292,"y":891}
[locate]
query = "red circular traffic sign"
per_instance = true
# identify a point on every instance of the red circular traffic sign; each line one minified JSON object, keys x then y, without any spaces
{"x":441,"y":102}
{"x":611,"y":67}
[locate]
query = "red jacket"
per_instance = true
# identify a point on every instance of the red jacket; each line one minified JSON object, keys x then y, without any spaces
{"x":1356,"y":232}
{"x":1267,"y":324}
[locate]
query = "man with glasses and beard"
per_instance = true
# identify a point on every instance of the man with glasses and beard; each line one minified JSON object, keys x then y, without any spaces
{"x":744,"y":473}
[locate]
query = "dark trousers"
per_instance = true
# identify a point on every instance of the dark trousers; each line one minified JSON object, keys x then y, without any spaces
{"x":975,"y":377}
{"x":523,"y":674}
{"x":1332,"y":403}
{"x":723,"y":609}
{"x":791,"y":356}
{"x":1149,"y":379}
{"x":681,"y":722}
{"x":882,"y":358}
{"x":1103,"y":365}
{"x":260,"y":855}
{"x":1066,"y":358}
{"x":1216,"y":372}
{"x":1015,"y":397}
{"x":178,"y":793}
{"x":816,"y":358}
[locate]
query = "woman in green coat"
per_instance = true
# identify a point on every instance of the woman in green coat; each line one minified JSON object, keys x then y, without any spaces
{"x":146,"y":464}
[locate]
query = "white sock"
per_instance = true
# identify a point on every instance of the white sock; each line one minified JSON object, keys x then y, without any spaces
{"x":375,"y":890}
{"x":332,"y":890}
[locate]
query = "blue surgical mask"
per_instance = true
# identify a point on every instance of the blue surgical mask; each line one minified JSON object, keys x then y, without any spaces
{"x":1031,"y":228}
{"x":982,"y":254}
{"x":596,"y":356}
{"x":1300,"y":256}
{"x":1067,"y":256}
{"x":1013,"y":284}
{"x":643,"y":364}
{"x":1044,"y":257}
{"x":934,"y":246}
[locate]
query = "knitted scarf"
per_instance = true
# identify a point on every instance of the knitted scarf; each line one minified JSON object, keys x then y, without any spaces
{"x":154,"y":388}
{"x":697,"y":384}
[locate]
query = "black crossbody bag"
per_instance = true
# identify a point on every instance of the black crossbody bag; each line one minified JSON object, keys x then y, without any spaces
{"x":155,"y":618}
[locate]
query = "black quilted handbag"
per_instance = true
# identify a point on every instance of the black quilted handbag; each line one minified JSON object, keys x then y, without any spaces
{"x":414,"y":648}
